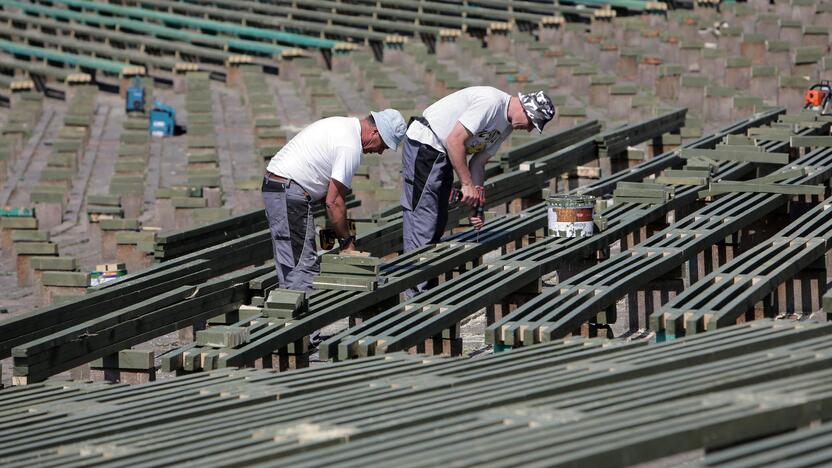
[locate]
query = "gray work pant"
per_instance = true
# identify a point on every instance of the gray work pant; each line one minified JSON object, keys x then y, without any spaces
{"x":292,"y":225}
{"x":427,"y":177}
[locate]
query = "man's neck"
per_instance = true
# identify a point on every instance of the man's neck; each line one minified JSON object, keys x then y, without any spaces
{"x":512,"y":101}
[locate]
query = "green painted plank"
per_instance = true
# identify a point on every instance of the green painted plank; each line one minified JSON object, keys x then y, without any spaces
{"x":217,"y":26}
{"x":128,"y":359}
{"x":798,"y":141}
{"x":749,"y":187}
{"x":152,"y":29}
{"x":744,"y":156}
{"x":74,"y":279}
{"x":63,"y":57}
{"x":54,"y":263}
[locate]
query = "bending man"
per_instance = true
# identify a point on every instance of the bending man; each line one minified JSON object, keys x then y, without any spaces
{"x":458,"y":133}
{"x":318,"y":163}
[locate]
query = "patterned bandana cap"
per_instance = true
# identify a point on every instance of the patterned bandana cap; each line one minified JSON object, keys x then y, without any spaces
{"x":539,"y":108}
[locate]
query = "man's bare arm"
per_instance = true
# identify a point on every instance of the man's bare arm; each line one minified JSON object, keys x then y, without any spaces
{"x":456,"y":153}
{"x":336,"y":210}
{"x":477,"y":167}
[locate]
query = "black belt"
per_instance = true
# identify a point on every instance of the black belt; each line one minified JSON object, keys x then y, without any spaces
{"x":276,"y":183}
{"x":276,"y":178}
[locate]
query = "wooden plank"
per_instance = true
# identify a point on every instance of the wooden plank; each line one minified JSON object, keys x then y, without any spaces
{"x":801,"y":141}
{"x":741,"y":156}
{"x":222,"y":337}
{"x":128,"y":359}
{"x":681,"y":180}
{"x":343,"y":282}
{"x":750,"y":187}
{"x":779,"y":176}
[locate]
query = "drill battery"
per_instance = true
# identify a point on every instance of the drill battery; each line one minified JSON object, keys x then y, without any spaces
{"x":456,"y":196}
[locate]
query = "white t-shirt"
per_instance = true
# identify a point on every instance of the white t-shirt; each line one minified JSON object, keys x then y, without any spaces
{"x":327,"y":149}
{"x":482,"y":110}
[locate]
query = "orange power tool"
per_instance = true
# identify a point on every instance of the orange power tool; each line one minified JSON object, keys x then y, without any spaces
{"x":818,"y":98}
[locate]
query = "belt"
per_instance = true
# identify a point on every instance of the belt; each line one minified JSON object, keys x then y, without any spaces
{"x":276,"y":178}
{"x":286,"y":183}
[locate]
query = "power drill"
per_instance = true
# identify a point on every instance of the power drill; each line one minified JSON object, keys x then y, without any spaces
{"x":327,"y":236}
{"x":479,"y":208}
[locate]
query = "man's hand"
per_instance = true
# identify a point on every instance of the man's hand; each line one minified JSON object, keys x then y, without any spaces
{"x":477,"y":222}
{"x":349,"y":247}
{"x":470,"y":195}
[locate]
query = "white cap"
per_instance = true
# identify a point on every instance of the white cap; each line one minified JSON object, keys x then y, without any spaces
{"x":391,"y":127}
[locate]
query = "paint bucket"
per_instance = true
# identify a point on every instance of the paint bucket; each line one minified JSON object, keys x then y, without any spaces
{"x":571,"y":215}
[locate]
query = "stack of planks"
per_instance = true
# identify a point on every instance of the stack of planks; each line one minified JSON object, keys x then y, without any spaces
{"x":643,"y":192}
{"x":348,"y":271}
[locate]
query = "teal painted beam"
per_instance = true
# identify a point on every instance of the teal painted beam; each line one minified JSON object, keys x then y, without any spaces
{"x":149,"y":28}
{"x":63,"y":57}
{"x":218,"y":26}
{"x":634,"y":5}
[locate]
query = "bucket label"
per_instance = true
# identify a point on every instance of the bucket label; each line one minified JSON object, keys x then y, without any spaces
{"x":571,"y":222}
{"x":574,"y":214}
{"x":571,"y":215}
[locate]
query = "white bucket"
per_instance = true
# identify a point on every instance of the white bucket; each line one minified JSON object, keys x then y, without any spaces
{"x":571,"y":215}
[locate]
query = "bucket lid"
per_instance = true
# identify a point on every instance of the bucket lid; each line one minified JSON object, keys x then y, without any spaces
{"x":571,"y":200}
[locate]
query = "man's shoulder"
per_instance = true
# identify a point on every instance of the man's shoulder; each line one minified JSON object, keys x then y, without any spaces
{"x":488,"y":100}
{"x":488,"y":92}
{"x":334,"y":130}
{"x":346,"y":123}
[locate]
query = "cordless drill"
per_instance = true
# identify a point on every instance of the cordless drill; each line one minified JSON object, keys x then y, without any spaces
{"x":479,"y":208}
{"x":327,"y":236}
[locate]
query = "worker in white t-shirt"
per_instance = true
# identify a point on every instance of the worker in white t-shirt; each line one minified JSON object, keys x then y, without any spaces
{"x":458,"y":133}
{"x":319,"y":163}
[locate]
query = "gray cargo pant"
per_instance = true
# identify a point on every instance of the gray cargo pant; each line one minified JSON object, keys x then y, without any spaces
{"x":427,"y":181}
{"x":292,"y":225}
